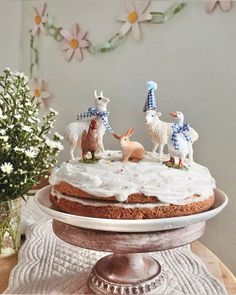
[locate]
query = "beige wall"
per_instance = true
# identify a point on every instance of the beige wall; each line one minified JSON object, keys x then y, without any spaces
{"x":193,"y":59}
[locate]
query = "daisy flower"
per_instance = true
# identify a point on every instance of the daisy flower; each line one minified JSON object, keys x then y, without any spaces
{"x":31,"y":152}
{"x":37,"y":89}
{"x":74,"y":42}
{"x":7,"y":168}
{"x":39,"y":20}
{"x":132,"y":18}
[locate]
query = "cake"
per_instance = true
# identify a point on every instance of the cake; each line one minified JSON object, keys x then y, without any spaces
{"x":147,"y":189}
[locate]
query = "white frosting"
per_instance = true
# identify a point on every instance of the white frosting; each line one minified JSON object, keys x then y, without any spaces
{"x":95,"y":203}
{"x":108,"y":178}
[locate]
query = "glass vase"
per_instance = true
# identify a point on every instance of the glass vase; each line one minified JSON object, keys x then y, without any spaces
{"x":10,"y":216}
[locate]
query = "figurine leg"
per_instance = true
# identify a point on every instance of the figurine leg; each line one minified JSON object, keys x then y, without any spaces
{"x":181,"y":165}
{"x":161,"y":151}
{"x":170,"y":163}
{"x":155,"y":146}
{"x":93,"y":155}
{"x":72,"y":149}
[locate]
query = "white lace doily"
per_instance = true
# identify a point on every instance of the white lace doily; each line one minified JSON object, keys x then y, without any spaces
{"x":48,"y":265}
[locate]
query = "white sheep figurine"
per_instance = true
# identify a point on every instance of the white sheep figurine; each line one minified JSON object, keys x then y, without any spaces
{"x":159,"y":131}
{"x":74,"y":130}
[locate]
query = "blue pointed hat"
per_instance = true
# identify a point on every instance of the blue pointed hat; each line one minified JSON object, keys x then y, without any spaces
{"x":150,"y":103}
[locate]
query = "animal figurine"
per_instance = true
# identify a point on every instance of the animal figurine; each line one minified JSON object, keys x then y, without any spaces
{"x":158,"y":130}
{"x":131,"y":150}
{"x":180,"y":143}
{"x":74,"y":130}
{"x":89,"y":141}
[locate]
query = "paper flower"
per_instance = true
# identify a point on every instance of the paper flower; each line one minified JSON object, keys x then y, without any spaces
{"x":74,"y":42}
{"x":39,"y":20}
{"x":37,"y":89}
{"x":225,"y":5}
{"x":132,"y":18}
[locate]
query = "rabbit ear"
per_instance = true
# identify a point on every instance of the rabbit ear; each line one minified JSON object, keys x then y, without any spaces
{"x":117,"y":136}
{"x":95,"y":94}
{"x":101,"y":93}
{"x":129,"y":132}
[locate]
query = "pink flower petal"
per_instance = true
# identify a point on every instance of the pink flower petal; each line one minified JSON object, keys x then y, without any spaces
{"x":142,"y":8}
{"x":69,"y":54}
{"x":123,"y":17}
{"x":81,"y":35}
{"x":136,"y":31}
{"x":130,"y":6}
{"x":210,"y":5}
{"x":225,"y":5}
{"x":83,"y":43}
{"x":66,"y":34}
{"x":78,"y":54}
{"x":65,"y":45}
{"x":125,"y":28}
{"x":39,"y":83}
{"x":144,"y":17}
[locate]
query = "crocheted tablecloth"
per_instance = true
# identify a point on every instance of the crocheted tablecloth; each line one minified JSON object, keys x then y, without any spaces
{"x":48,"y":265}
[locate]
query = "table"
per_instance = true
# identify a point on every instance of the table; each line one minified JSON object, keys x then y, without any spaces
{"x":213,"y":264}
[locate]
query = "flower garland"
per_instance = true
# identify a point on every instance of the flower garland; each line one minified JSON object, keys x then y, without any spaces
{"x":74,"y":41}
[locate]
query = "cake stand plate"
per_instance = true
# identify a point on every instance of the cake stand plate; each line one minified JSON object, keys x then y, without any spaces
{"x":127,"y":270}
{"x":127,"y":225}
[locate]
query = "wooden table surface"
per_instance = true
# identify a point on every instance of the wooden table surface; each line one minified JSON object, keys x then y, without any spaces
{"x":213,"y":264}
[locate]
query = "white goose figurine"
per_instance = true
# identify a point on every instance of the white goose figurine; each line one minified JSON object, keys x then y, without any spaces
{"x":179,"y":141}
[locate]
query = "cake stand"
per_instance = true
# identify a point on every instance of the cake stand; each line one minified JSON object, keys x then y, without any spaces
{"x":127,"y":270}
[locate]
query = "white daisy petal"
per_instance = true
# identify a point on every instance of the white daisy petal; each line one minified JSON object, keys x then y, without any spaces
{"x":144,"y":17}
{"x":35,"y":29}
{"x":78,"y":54}
{"x":125,"y":28}
{"x":43,"y":8}
{"x":69,"y":54}
{"x":36,"y":10}
{"x":81,"y":34}
{"x":123,"y":17}
{"x":83,"y":43}
{"x":136,"y":31}
{"x":45,"y":94}
{"x":42,"y":28}
{"x":44,"y":19}
{"x":75,"y":30}
{"x":142,"y":7}
{"x":130,"y":6}
{"x":65,"y":45}
{"x":66,"y":34}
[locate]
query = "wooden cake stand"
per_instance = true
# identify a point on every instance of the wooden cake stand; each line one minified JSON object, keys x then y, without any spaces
{"x":127,"y":270}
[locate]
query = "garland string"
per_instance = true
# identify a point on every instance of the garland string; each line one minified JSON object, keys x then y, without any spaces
{"x":113,"y":43}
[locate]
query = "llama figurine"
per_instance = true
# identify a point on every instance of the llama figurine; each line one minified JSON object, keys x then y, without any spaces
{"x":74,"y":130}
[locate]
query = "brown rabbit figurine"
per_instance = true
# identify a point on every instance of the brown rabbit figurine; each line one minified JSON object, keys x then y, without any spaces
{"x":131,"y":150}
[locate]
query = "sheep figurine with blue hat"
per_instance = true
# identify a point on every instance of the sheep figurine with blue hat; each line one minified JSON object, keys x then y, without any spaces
{"x":159,"y":131}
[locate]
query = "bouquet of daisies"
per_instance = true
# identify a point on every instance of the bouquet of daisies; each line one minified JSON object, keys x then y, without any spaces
{"x":25,"y":149}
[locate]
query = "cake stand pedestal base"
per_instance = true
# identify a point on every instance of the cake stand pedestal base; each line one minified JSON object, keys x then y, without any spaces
{"x":127,"y":270}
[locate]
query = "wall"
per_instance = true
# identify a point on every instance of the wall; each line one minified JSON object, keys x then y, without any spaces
{"x":10,"y":32}
{"x":192,"y":57}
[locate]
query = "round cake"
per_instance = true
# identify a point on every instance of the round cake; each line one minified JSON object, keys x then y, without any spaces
{"x":114,"y":189}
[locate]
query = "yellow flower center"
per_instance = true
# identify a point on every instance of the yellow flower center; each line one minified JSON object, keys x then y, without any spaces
{"x":37,"y":19}
{"x":74,"y":43}
{"x":37,"y":92}
{"x":132,"y":17}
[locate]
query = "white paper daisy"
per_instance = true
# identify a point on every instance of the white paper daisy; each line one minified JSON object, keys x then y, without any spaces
{"x":133,"y":17}
{"x":37,"y":89}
